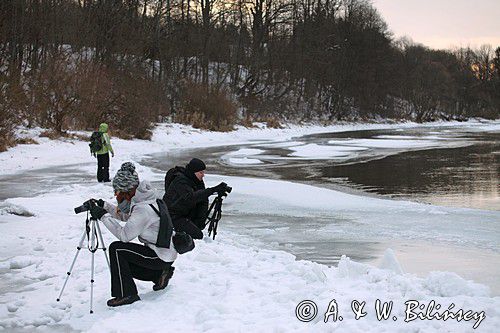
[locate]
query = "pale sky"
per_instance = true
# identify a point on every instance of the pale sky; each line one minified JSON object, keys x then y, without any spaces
{"x":443,"y":24}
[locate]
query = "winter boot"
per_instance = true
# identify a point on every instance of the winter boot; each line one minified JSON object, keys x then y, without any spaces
{"x":165,"y":276}
{"x":118,"y":301}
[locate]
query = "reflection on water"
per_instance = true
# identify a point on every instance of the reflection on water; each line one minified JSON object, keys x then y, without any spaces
{"x":461,"y":177}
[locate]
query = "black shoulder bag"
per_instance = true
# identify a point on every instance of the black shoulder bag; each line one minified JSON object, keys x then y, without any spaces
{"x":183,"y":242}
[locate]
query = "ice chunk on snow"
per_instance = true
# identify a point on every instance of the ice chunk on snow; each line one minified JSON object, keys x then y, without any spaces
{"x":8,"y":208}
{"x":22,"y":262}
{"x":351,"y":269}
{"x":12,"y":308}
{"x":390,"y":262}
{"x":449,"y":284}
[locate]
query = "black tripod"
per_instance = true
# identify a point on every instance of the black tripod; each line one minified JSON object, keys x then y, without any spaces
{"x":213,"y":221}
{"x":94,"y":236}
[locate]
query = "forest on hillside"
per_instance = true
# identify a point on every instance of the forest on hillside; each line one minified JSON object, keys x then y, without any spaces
{"x":70,"y":64}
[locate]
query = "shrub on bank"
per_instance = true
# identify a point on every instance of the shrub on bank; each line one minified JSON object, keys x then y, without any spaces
{"x":69,"y":93}
{"x":7,"y":118}
{"x":206,"y":108}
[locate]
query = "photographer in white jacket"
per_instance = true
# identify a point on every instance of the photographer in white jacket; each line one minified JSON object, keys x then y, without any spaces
{"x":131,"y":260}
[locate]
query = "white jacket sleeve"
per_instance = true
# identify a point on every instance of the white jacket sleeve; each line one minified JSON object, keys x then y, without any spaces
{"x":136,"y":223}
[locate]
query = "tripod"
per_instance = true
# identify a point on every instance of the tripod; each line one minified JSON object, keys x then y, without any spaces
{"x":213,"y":220}
{"x":94,"y":236}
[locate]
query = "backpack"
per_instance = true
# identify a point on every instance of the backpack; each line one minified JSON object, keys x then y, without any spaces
{"x":95,"y":142}
{"x":171,"y":174}
{"x":182,"y":241}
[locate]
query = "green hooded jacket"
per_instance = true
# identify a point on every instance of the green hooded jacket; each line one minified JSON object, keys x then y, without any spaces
{"x":106,"y":144}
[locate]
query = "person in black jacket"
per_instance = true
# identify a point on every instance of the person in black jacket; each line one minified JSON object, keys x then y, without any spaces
{"x":187,"y":198}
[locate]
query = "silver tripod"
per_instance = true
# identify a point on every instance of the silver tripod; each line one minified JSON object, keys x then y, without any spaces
{"x":94,"y":236}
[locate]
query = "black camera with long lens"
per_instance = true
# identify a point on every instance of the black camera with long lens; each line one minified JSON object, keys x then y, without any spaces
{"x":85,"y":207}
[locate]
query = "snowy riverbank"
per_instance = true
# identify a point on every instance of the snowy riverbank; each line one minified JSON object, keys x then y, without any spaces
{"x":173,"y":136}
{"x":230,"y":284}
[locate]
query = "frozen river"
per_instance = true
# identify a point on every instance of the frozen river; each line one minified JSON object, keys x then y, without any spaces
{"x":456,"y":167}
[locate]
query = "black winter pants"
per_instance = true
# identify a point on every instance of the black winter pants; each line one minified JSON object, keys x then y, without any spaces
{"x":129,"y":261}
{"x":103,"y":167}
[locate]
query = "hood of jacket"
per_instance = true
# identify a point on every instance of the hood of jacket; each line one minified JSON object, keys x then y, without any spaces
{"x":103,"y":128}
{"x":144,"y":193}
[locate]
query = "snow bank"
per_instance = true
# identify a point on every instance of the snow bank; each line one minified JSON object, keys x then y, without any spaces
{"x":227,"y":285}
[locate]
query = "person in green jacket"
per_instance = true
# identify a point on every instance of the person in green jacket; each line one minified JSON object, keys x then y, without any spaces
{"x":103,"y":154}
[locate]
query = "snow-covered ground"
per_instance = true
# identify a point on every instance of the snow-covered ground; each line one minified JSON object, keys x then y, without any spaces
{"x":227,"y":285}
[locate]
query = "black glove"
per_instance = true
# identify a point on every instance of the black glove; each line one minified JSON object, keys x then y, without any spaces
{"x":221,"y":188}
{"x":100,"y":203}
{"x":97,"y":212}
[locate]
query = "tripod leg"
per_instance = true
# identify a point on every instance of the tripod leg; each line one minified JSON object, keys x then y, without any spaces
{"x":78,"y":248}
{"x":92,"y":284}
{"x":92,"y":245}
{"x":103,"y":244}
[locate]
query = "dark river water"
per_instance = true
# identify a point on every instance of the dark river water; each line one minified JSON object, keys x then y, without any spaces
{"x":461,"y":177}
